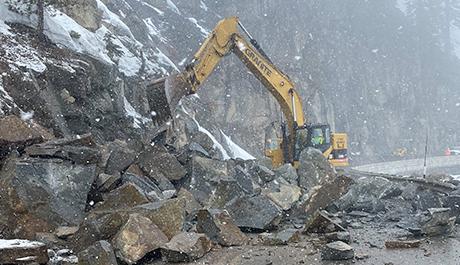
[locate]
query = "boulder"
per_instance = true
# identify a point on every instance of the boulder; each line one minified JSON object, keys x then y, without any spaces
{"x":258,"y":213}
{"x":21,"y":251}
{"x":282,"y":193}
{"x":289,"y":173}
{"x":262,"y":172}
{"x":157,"y":159}
{"x":126,"y":196}
{"x":321,"y":223}
{"x":191,"y":204}
{"x":205,"y":173}
{"x":219,"y":227}
{"x":168,"y":215}
{"x":314,"y":169}
{"x":136,"y":238}
{"x":42,"y":194}
{"x":145,"y":184}
{"x":437,"y":221}
{"x":337,"y":250}
{"x":223,"y":191}
{"x":453,"y":202}
{"x":17,"y":134}
{"x":280,"y":238}
{"x":100,"y":253}
{"x":120,"y":157}
{"x":186,"y":247}
{"x":338,"y":236}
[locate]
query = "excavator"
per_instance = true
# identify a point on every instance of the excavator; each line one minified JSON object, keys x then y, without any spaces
{"x":283,"y":144}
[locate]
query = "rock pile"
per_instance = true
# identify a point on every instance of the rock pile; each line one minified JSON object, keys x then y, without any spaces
{"x":113,"y":203}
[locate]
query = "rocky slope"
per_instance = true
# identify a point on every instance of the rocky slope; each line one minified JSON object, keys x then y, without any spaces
{"x":386,"y":90}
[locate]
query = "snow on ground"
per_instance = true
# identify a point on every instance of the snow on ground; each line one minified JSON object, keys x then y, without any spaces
{"x":204,"y":31}
{"x":161,"y":13}
{"x":22,"y":56}
{"x":18,"y":243}
{"x":5,"y":29}
{"x":173,"y":7}
{"x":153,"y":30}
{"x":235,"y":150}
{"x":113,"y":19}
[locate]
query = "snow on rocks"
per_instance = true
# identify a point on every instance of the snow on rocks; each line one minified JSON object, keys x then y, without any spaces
{"x":18,"y":251}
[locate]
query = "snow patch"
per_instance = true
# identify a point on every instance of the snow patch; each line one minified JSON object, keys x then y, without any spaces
{"x":22,"y":56}
{"x":18,"y":243}
{"x":5,"y":29}
{"x":235,"y":150}
{"x":216,"y":143}
{"x":204,"y":31}
{"x":161,"y":13}
{"x":173,"y":7}
{"x":113,"y":19}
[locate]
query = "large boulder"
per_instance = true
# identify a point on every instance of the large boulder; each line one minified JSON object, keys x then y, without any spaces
{"x":314,"y":169}
{"x":100,"y":253}
{"x":156,"y":160}
{"x":186,"y":247}
{"x":220,"y":228}
{"x":39,"y":195}
{"x":120,"y":157}
{"x":136,"y":238}
{"x":255,"y":213}
{"x":282,"y":193}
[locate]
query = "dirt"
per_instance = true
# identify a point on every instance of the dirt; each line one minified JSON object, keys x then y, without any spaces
{"x":368,"y":243}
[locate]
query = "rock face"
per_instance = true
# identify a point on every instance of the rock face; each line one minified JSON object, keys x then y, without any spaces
{"x":219,"y":227}
{"x":43,"y":194}
{"x":101,"y":253}
{"x":186,"y":247}
{"x":22,"y":251}
{"x":258,"y":213}
{"x":136,"y":238}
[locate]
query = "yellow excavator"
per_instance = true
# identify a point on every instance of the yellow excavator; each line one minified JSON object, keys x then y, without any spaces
{"x":283,"y":145}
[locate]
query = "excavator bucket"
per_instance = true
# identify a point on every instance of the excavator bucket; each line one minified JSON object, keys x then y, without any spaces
{"x":164,"y":95}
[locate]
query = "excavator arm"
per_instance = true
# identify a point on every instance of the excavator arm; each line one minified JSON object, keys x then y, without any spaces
{"x":226,"y":39}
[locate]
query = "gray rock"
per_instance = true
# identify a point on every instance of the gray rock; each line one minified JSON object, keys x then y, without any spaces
{"x":191,"y":204}
{"x":426,"y":199}
{"x":289,"y":173}
{"x":437,"y":221}
{"x":148,"y":187}
{"x":100,"y":253}
{"x":258,"y":213}
{"x":223,"y":192}
{"x":13,"y":251}
{"x":337,"y":250}
{"x":220,"y":228}
{"x":120,"y":158}
{"x":321,"y":223}
{"x":338,"y":236}
{"x":64,"y":232}
{"x":126,"y":196}
{"x":186,"y":247}
{"x":157,"y":159}
{"x":136,"y":238}
{"x":453,"y":202}
{"x":314,"y":169}
{"x":282,"y":193}
{"x":81,"y":149}
{"x":106,"y":182}
{"x":243,"y":179}
{"x":262,"y":173}
{"x":50,"y":193}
